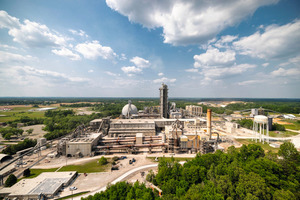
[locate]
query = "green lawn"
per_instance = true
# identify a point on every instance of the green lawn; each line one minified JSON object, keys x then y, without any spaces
{"x":35,"y":172}
{"x":19,"y":112}
{"x":282,"y":133}
{"x":294,"y":126}
{"x":265,"y":146}
{"x":89,"y":167}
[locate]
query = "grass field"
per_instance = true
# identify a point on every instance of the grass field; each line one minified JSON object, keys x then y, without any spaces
{"x":19,"y":112}
{"x":35,"y":172}
{"x":282,"y":133}
{"x":294,"y":126}
{"x":89,"y":167}
{"x":265,"y":146}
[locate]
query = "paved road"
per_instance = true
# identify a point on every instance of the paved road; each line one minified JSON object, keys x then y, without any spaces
{"x":121,"y":178}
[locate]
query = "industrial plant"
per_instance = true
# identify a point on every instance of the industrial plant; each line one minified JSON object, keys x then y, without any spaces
{"x":165,"y":129}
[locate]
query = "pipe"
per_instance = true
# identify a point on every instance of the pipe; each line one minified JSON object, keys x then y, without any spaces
{"x":209,"y":122}
{"x":129,"y":140}
{"x":130,"y":146}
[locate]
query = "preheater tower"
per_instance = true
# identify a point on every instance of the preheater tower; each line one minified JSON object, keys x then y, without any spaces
{"x":163,"y":101}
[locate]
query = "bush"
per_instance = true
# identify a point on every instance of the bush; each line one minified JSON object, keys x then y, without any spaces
{"x":278,"y":127}
{"x":26,"y":172}
{"x":115,"y":158}
{"x":10,"y":181}
{"x":103,"y":161}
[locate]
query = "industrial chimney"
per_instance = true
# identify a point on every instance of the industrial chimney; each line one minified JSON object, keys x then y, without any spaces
{"x":208,"y":121}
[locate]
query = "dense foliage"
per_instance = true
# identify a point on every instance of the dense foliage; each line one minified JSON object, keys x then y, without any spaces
{"x":12,"y":149}
{"x":27,"y":121}
{"x":244,"y":174}
{"x":278,"y":127}
{"x":26,"y":172}
{"x":61,"y":122}
{"x":124,"y":191}
{"x":246,"y":123}
{"x":103,"y":161}
{"x":10,"y":181}
{"x":247,"y":173}
{"x":8,"y":132}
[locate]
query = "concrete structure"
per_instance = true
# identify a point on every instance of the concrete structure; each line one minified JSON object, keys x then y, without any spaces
{"x":129,"y":110}
{"x":46,"y":185}
{"x":192,"y":110}
{"x":209,"y":122}
{"x":82,"y":146}
{"x":260,"y":123}
{"x":139,"y":138}
{"x":163,"y":90}
{"x":130,"y":127}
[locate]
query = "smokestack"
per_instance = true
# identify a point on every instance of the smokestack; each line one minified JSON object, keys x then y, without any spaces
{"x":209,"y":122}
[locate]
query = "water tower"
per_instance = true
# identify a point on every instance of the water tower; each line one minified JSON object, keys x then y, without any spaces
{"x":260,"y":125}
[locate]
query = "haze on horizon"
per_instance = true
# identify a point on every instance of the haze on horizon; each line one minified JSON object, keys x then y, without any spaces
{"x":115,"y":48}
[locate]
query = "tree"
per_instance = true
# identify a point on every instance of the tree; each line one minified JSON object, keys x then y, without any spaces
{"x":29,"y":131}
{"x":103,"y":161}
{"x":289,"y":152}
{"x":283,"y":195}
{"x":10,"y":181}
{"x":26,"y":172}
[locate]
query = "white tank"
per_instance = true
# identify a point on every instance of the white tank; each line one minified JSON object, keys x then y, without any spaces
{"x":261,"y":119}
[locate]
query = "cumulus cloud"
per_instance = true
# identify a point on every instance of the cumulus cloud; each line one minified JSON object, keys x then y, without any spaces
{"x":30,"y":34}
{"x":6,"y":57}
{"x":140,"y":62}
{"x":286,"y":72}
{"x":66,"y":53}
{"x":160,"y":74}
{"x":90,"y":71}
{"x":187,"y":22}
{"x":80,"y":33}
{"x":265,"y":64}
{"x":93,"y":50}
{"x":111,"y":73}
{"x":225,"y":40}
{"x":274,"y":42}
{"x":164,"y":80}
{"x":213,"y":57}
{"x":130,"y":70}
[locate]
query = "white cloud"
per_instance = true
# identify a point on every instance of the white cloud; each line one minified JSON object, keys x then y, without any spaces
{"x":93,"y":50}
{"x":275,"y":42}
{"x":80,"y":33}
{"x":265,"y":64}
{"x":6,"y":57}
{"x":164,"y":80}
{"x":7,"y":21}
{"x":130,"y":70}
{"x":66,"y":53}
{"x":90,"y":71}
{"x":30,"y":34}
{"x":5,"y":46}
{"x":286,"y":72}
{"x":251,"y":82}
{"x":187,"y":22}
{"x":214,"y":57}
{"x":123,"y":56}
{"x":160,"y":74}
{"x":216,"y":72}
{"x":223,"y":42}
{"x":111,"y":73}
{"x":192,"y":70}
{"x":140,"y":62}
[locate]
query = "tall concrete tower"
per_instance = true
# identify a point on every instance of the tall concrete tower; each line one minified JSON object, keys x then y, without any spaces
{"x":163,"y":101}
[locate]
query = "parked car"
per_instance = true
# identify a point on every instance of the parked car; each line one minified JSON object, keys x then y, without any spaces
{"x":133,"y":160}
{"x":73,"y":188}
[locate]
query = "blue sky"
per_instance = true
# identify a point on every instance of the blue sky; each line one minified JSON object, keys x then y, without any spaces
{"x":118,"y":48}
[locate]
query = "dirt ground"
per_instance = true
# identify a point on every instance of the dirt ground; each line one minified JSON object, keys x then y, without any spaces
{"x":38,"y":131}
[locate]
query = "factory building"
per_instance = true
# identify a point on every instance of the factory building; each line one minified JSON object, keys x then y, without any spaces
{"x":163,"y":90}
{"x":46,"y":185}
{"x":192,"y":110}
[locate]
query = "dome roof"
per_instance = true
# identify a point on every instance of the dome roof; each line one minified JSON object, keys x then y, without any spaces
{"x":132,"y":111}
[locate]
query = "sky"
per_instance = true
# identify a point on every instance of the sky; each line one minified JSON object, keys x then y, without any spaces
{"x":117,"y":48}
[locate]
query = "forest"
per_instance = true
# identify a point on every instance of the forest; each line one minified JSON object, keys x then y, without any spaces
{"x":247,"y":173}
